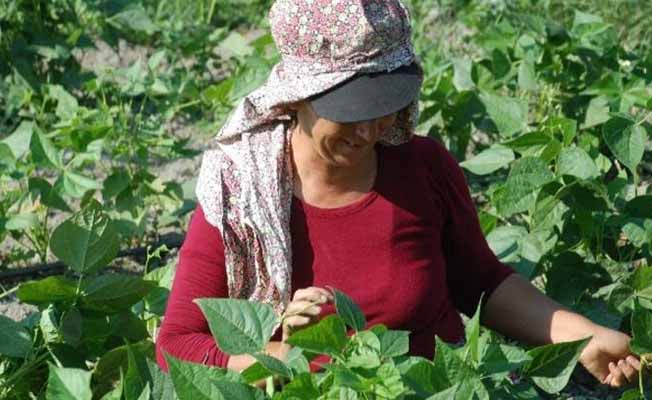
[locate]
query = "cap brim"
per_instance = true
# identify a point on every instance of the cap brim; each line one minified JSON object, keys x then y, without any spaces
{"x":369,"y":96}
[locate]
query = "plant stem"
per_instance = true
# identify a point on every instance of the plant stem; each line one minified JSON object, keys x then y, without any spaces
{"x":8,"y":292}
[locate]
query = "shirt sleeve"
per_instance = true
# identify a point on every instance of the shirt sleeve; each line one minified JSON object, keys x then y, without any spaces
{"x":200,"y":272}
{"x":471,"y":266}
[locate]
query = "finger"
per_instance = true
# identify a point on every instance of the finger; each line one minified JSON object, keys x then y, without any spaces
{"x":617,"y":378}
{"x":628,"y":371}
{"x":297,"y":322}
{"x":634,"y":362}
{"x":607,"y":380}
{"x":313,"y":294}
{"x":303,"y":308}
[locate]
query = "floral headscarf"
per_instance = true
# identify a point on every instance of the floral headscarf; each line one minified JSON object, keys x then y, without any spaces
{"x":245,"y":184}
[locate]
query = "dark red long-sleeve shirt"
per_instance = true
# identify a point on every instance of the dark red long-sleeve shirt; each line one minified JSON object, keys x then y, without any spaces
{"x":410,"y":253}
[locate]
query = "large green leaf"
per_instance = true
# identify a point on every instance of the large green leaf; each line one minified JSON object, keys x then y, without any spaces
{"x":552,"y":364}
{"x":625,"y":139}
{"x":68,"y":384}
{"x":87,"y":241}
{"x":525,"y":179}
{"x":350,"y":312}
{"x":14,"y":338}
{"x":200,"y":382}
{"x":48,"y":290}
{"x":394,"y":343}
{"x":112,"y":293}
{"x":490,"y":160}
{"x":575,"y":161}
{"x":77,"y":185}
{"x":502,"y":358}
{"x":239,"y":326}
{"x":20,"y":139}
{"x":597,"y":112}
{"x":509,"y":114}
{"x":328,"y":336}
{"x":44,"y":153}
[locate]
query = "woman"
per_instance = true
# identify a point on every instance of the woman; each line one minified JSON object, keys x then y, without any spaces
{"x":318,"y":180}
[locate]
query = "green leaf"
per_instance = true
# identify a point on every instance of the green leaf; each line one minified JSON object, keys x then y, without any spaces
{"x":473,"y":347}
{"x":302,"y":387}
{"x":626,"y":140}
{"x":67,"y":105}
{"x":110,"y":364}
{"x":235,"y":45}
{"x":21,"y":222}
{"x":366,"y":351}
{"x":161,"y":383}
{"x":527,"y":79}
{"x":575,"y":161}
{"x":44,"y":153}
{"x":394,"y":343}
{"x":448,"y":394}
{"x":641,"y":329}
{"x":138,"y":375}
{"x":49,"y":195}
{"x":490,"y":160}
{"x":87,"y":241}
{"x":509,"y":114}
{"x":349,"y":311}
{"x":426,"y":378}
{"x":68,"y":384}
{"x":239,"y":326}
{"x":14,"y":338}
{"x":462,"y":74}
{"x":597,"y":112}
{"x":273,"y":365}
{"x":504,"y":241}
{"x":77,"y":185}
{"x":199,"y":382}
{"x":71,"y":326}
{"x":390,"y":385}
{"x":502,"y":358}
{"x":19,"y":140}
{"x":328,"y":336}
{"x":135,"y":18}
{"x":552,"y":364}
{"x":48,"y":290}
{"x":7,"y":158}
{"x":525,"y":179}
{"x":113,"y":293}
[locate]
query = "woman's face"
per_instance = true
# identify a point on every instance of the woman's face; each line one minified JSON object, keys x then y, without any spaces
{"x":341,"y":143}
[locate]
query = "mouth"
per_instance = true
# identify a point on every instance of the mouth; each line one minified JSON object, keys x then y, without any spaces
{"x":351,"y":144}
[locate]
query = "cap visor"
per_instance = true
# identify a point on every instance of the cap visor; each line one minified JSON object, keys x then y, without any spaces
{"x":369,"y":96}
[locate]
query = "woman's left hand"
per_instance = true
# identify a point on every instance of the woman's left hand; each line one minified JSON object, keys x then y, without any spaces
{"x":608,"y":358}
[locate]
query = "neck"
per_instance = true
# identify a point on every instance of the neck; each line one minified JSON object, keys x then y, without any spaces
{"x":315,"y":175}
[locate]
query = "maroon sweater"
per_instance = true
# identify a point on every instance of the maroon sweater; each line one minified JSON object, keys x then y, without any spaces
{"x":410,"y":253}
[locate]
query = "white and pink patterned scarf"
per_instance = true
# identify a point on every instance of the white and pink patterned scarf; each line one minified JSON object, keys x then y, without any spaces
{"x":245,"y":184}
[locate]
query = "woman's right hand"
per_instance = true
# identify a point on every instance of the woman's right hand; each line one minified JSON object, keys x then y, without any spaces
{"x":304,"y":309}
